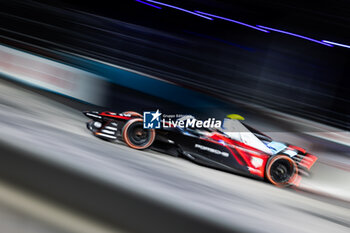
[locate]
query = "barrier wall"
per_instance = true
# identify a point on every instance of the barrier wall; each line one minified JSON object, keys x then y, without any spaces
{"x":51,"y":75}
{"x":144,"y":83}
{"x":89,"y":80}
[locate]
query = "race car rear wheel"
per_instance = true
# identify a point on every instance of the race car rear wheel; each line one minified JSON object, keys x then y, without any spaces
{"x":132,"y":113}
{"x":136,"y":137}
{"x":281,"y":170}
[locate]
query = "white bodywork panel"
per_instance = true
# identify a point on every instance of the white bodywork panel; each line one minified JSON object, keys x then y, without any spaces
{"x":237,"y":131}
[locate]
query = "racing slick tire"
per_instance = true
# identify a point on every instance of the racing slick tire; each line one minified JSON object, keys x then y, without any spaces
{"x":281,"y":170}
{"x":133,"y":114}
{"x":135,"y":136}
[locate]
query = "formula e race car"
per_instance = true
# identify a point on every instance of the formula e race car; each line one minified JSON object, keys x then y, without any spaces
{"x":234,"y":147}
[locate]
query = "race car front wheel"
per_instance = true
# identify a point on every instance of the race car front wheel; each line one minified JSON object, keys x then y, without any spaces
{"x":281,"y":170}
{"x":136,"y":137}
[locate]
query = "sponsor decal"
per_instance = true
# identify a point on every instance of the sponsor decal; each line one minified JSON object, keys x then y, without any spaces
{"x":156,"y":120}
{"x":193,"y":123}
{"x":211,"y":150}
{"x":152,"y":120}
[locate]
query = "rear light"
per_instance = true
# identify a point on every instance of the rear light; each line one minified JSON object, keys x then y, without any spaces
{"x":97,"y":124}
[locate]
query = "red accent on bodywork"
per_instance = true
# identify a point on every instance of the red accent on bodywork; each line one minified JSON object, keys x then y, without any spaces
{"x":244,"y":152}
{"x":259,"y":171}
{"x":227,"y":147}
{"x":297,"y":148}
{"x":114,"y":116}
{"x":296,"y":181}
{"x":308,"y":161}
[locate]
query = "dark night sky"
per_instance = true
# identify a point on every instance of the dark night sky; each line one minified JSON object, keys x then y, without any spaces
{"x":273,"y":68}
{"x":316,"y":19}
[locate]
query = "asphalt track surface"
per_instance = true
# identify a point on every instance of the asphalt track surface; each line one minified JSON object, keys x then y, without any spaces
{"x":56,"y":132}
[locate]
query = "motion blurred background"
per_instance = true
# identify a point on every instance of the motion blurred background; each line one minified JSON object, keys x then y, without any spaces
{"x":221,"y":58}
{"x":283,"y":65}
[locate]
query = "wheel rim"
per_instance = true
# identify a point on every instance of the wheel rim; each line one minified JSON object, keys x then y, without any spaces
{"x":138,"y":135}
{"x":281,"y":171}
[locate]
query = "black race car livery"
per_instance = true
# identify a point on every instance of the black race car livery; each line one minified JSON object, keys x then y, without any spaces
{"x":235,"y":147}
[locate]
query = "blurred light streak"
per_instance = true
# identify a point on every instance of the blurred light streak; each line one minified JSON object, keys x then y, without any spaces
{"x":338,"y":44}
{"x":149,"y":4}
{"x":233,"y":21}
{"x":296,"y":35}
{"x":220,"y":40}
{"x":180,"y":9}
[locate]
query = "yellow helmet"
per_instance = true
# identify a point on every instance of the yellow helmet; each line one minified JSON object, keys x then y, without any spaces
{"x":235,"y":117}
